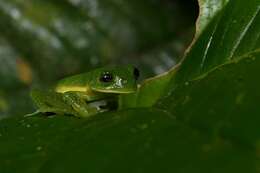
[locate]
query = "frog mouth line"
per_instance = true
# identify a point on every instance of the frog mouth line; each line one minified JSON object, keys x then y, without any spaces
{"x":114,"y":92}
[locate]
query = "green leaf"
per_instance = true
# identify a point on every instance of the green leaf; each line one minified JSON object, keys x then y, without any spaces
{"x":222,"y":102}
{"x":139,"y":140}
{"x":199,"y":140}
{"x":206,"y":119}
{"x":233,"y":32}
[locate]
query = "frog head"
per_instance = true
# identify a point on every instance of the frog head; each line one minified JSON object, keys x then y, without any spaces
{"x":114,"y":79}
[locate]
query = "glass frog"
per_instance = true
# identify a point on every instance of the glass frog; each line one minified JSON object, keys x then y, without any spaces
{"x":86,"y":94}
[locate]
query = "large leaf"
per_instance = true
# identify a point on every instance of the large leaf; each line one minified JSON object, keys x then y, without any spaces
{"x":206,"y":119}
{"x":223,"y":102}
{"x":234,"y":31}
{"x":222,"y":138}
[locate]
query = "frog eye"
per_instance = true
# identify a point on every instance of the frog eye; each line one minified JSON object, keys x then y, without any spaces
{"x":136,"y":73}
{"x":106,"y":77}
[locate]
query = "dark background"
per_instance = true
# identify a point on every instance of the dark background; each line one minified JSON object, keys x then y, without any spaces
{"x":42,"y":41}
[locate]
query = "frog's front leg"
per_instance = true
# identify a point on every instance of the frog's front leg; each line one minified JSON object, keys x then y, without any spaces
{"x":79,"y":105}
{"x":61,"y":103}
{"x":50,"y":102}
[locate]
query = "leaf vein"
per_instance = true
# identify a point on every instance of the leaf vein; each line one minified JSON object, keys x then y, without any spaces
{"x":242,"y":35}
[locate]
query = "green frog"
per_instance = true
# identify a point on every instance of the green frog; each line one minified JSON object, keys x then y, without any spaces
{"x":87,"y":94}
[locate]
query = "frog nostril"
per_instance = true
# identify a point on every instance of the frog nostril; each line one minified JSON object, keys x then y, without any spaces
{"x":136,"y":73}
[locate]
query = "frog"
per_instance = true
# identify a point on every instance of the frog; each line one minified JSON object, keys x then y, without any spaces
{"x":86,"y":94}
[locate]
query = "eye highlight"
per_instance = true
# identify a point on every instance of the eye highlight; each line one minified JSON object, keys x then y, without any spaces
{"x":136,"y":73}
{"x":106,"y":77}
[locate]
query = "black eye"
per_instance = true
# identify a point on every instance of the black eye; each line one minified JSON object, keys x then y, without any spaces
{"x":136,"y":73}
{"x":106,"y":77}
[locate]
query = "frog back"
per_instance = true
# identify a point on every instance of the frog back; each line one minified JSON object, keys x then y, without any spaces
{"x":78,"y":82}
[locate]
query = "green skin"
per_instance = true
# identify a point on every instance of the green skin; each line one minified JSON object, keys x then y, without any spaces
{"x":79,"y":95}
